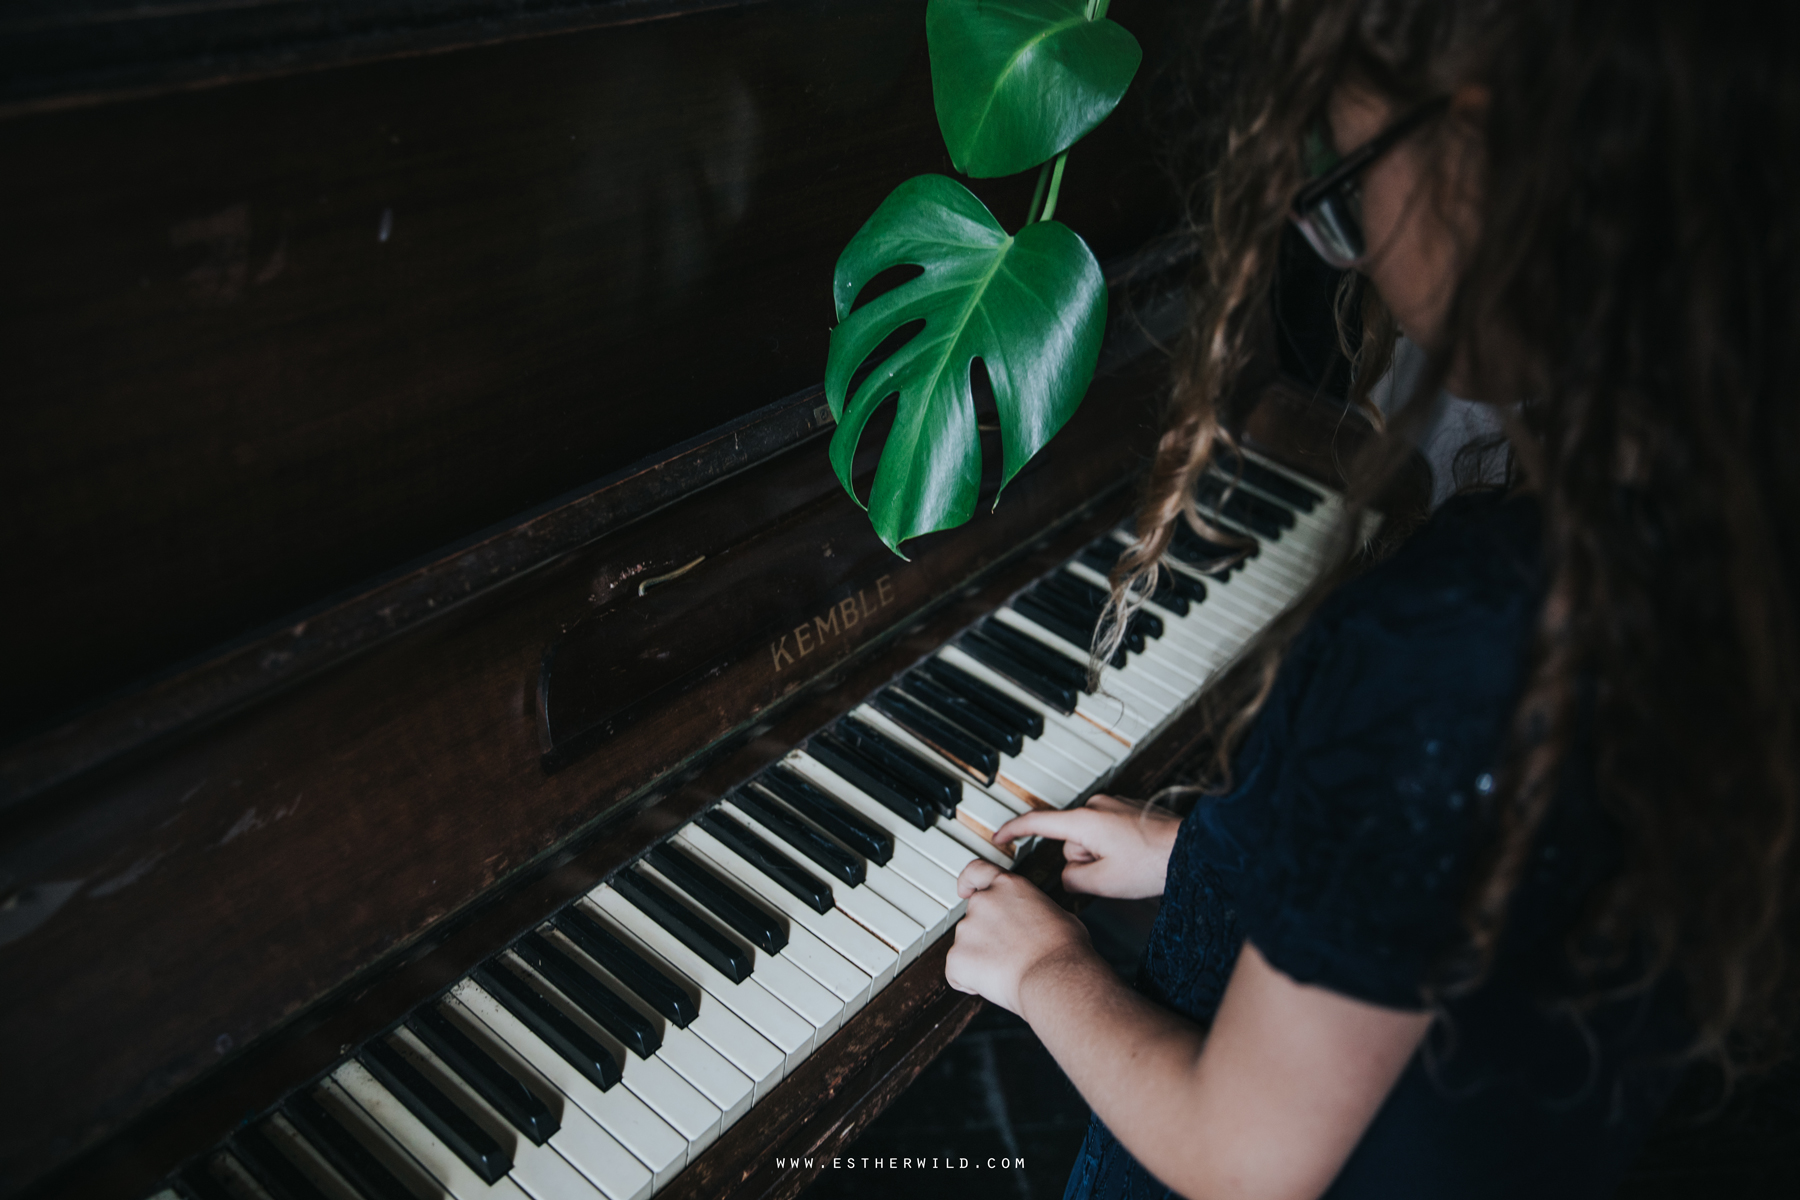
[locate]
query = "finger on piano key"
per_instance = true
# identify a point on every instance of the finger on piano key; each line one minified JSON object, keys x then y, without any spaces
{"x":835,"y":973}
{"x":873,"y":958}
{"x":655,"y":902}
{"x":650,"y":1079}
{"x":662,"y":994}
{"x":367,"y":1133}
{"x":616,"y":1111}
{"x":503,"y":1092}
{"x":539,"y":1170}
{"x":983,"y":815}
{"x":861,"y":904}
{"x":775,"y":1021}
{"x":402,"y":1124}
{"x":450,"y":1126}
{"x":273,"y":1170}
{"x":779,"y":977}
{"x":349,"y":1158}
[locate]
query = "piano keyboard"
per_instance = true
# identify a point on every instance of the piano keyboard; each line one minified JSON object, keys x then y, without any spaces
{"x":605,"y":1049}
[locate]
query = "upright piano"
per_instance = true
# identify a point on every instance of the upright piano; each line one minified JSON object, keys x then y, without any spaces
{"x":459,"y":738}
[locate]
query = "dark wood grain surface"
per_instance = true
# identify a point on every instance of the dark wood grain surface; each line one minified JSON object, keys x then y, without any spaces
{"x":270,"y":339}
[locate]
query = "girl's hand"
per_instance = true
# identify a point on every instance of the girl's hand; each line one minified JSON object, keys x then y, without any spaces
{"x":1012,"y":929}
{"x":1113,"y":848}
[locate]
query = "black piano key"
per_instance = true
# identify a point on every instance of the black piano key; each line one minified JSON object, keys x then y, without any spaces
{"x":798,"y":882}
{"x":339,"y":1147}
{"x":957,"y":744}
{"x":436,"y":1111}
{"x":718,"y":898}
{"x":274,"y":1172}
{"x":997,"y":705}
{"x":938,"y":786}
{"x":650,"y":985}
{"x":591,"y":996}
{"x":861,"y":837}
{"x":1092,"y":600}
{"x":1265,"y":518}
{"x":961,"y":713}
{"x":860,"y":772}
{"x":1070,"y":627}
{"x":199,"y":1183}
{"x":1294,"y":495}
{"x":1045,"y":659}
{"x":997,"y":658}
{"x":552,"y":1026}
{"x":1172,"y":593}
{"x":1076,"y":609}
{"x":1102,"y":555}
{"x":720,"y":952}
{"x":1217,"y":559}
{"x":485,"y":1077}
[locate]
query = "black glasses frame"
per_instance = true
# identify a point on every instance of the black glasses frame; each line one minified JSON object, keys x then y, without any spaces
{"x":1318,"y":191}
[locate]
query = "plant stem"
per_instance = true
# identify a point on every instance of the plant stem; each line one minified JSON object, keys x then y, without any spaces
{"x":1037,"y":194}
{"x":1055,"y":187}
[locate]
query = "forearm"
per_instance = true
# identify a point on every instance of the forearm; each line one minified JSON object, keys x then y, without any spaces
{"x":1137,"y":1064}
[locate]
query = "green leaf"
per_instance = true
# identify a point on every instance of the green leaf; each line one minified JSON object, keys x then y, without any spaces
{"x":1031,"y":307}
{"x":1017,"y":82}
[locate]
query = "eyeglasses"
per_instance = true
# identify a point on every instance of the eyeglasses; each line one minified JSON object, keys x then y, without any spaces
{"x":1329,"y":209}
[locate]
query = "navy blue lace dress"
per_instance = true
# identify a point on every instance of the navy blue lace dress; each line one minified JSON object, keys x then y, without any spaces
{"x":1342,"y":853}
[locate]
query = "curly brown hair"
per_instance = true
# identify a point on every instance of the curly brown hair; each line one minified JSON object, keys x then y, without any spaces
{"x":1627,"y":302}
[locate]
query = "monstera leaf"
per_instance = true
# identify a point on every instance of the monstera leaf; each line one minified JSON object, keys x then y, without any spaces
{"x":1017,"y":82}
{"x":1032,"y":307}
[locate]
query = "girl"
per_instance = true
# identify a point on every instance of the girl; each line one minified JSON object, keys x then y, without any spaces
{"x":1510,"y":837}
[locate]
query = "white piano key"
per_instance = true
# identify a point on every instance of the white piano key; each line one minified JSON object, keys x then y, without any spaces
{"x":580,"y":1139}
{"x":411,"y":1173}
{"x":929,"y":842}
{"x":422,"y":1144}
{"x":540,"y":1170}
{"x":818,"y":956}
{"x":727,"y":1088}
{"x":788,"y":1030}
{"x":982,"y":815}
{"x":863,"y":905}
{"x":630,"y":1122}
{"x":651,"y":1080}
{"x":311,"y":1163}
{"x":1081,"y":739}
{"x":783,"y":980}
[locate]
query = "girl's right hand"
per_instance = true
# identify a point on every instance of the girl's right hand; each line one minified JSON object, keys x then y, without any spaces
{"x":1112,"y":848}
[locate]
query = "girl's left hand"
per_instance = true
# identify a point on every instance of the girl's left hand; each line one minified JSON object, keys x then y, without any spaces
{"x":1011,"y":930}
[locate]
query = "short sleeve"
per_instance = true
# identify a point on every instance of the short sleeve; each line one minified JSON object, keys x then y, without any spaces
{"x":1346,"y":844}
